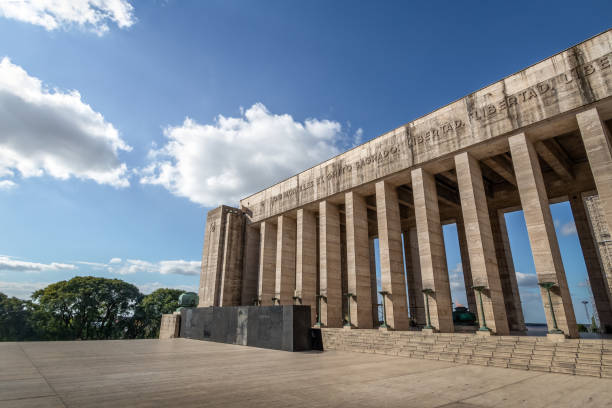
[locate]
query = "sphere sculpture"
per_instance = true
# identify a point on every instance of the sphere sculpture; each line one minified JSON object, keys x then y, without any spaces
{"x":187,"y":299}
{"x":462,"y":316}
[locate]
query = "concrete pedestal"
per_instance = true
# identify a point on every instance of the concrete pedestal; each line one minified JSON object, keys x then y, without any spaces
{"x":274,"y":327}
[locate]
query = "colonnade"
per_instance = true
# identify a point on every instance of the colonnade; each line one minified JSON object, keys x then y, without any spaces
{"x":306,"y":257}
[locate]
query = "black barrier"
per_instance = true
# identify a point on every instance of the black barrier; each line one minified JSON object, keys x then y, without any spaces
{"x":274,"y":327}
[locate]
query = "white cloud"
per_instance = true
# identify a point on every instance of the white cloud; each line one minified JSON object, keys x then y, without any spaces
{"x":8,"y":263}
{"x":115,"y":260}
{"x":7,"y":184}
{"x":569,"y":228}
{"x":22,"y":290}
{"x":456,"y":277}
{"x":527,"y":279}
{"x":169,"y":267}
{"x":94,"y":15}
{"x":54,"y":133}
{"x":180,"y":267}
{"x":233,"y":157}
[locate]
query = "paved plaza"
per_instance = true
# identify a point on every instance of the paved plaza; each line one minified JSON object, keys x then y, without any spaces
{"x":185,"y":373}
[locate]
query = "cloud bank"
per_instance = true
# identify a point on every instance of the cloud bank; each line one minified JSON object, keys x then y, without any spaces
{"x":225,"y":161}
{"x":21,"y":290}
{"x":8,"y":263}
{"x":170,"y":267}
{"x":54,"y":133}
{"x":93,"y":15}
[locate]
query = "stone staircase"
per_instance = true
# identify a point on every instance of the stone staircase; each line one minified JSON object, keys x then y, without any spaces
{"x":573,"y":356}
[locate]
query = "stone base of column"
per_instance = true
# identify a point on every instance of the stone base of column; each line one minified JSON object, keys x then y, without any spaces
{"x":384,"y":328}
{"x":556,"y":337}
{"x":428,"y":332}
{"x":347,"y":327}
{"x":170,"y":326}
{"x":486,"y":333}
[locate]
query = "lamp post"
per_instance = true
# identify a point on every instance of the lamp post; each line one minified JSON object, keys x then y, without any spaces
{"x":319,"y":297}
{"x":483,"y":322}
{"x":348,"y":308}
{"x":428,"y":292}
{"x":548,"y":286}
{"x":586,"y":309}
{"x":384,"y":293}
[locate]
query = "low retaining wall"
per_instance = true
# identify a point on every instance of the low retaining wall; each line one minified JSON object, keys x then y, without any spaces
{"x":274,"y":327}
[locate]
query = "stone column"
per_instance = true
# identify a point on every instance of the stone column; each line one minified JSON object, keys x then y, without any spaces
{"x":432,"y":254}
{"x":373,"y":284}
{"x":391,"y":259}
{"x":267,"y":263}
{"x":285,"y":259}
{"x":330,"y":273}
{"x":250,"y":267}
{"x":598,"y":146}
{"x":483,"y":262}
{"x":601,"y":234}
{"x":542,"y":236}
{"x":358,"y":260}
{"x":465,"y":264}
{"x":231,"y":269}
{"x":599,"y":284}
{"x":512,"y":297}
{"x":306,"y":261}
{"x":413,"y":277}
{"x":212,"y":258}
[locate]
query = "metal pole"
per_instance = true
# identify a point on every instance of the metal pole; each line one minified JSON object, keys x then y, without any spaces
{"x":428,"y":316}
{"x":552,"y":309}
{"x":483,"y":322}
{"x":586,"y":309}
{"x":383,"y":294}
{"x":427,"y":292}
{"x":348,"y":304}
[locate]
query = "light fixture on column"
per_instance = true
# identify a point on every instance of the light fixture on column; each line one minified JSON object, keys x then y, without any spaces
{"x":384,"y":293}
{"x":548,"y":286}
{"x":275,"y":301}
{"x":428,"y":293}
{"x":257,"y":301}
{"x":483,"y":322}
{"x":319,"y":298}
{"x":348,"y":304}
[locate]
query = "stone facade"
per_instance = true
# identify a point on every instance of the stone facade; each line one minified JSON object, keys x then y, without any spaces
{"x":536,"y":137}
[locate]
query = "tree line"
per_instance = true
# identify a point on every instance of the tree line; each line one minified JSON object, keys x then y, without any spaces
{"x":86,"y":308}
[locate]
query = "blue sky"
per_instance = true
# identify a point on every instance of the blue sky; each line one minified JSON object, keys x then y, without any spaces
{"x":125,"y":170}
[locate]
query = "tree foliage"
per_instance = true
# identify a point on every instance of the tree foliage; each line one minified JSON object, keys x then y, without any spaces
{"x":16,"y":319}
{"x":86,"y":308}
{"x":149,"y":311}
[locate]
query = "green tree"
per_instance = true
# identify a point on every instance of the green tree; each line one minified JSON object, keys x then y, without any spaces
{"x":86,"y":307}
{"x":15,"y":319}
{"x":148,"y":313}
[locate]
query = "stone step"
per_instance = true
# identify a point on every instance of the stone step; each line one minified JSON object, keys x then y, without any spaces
{"x":479,"y":360}
{"x":499,"y":362}
{"x":584,"y":357}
